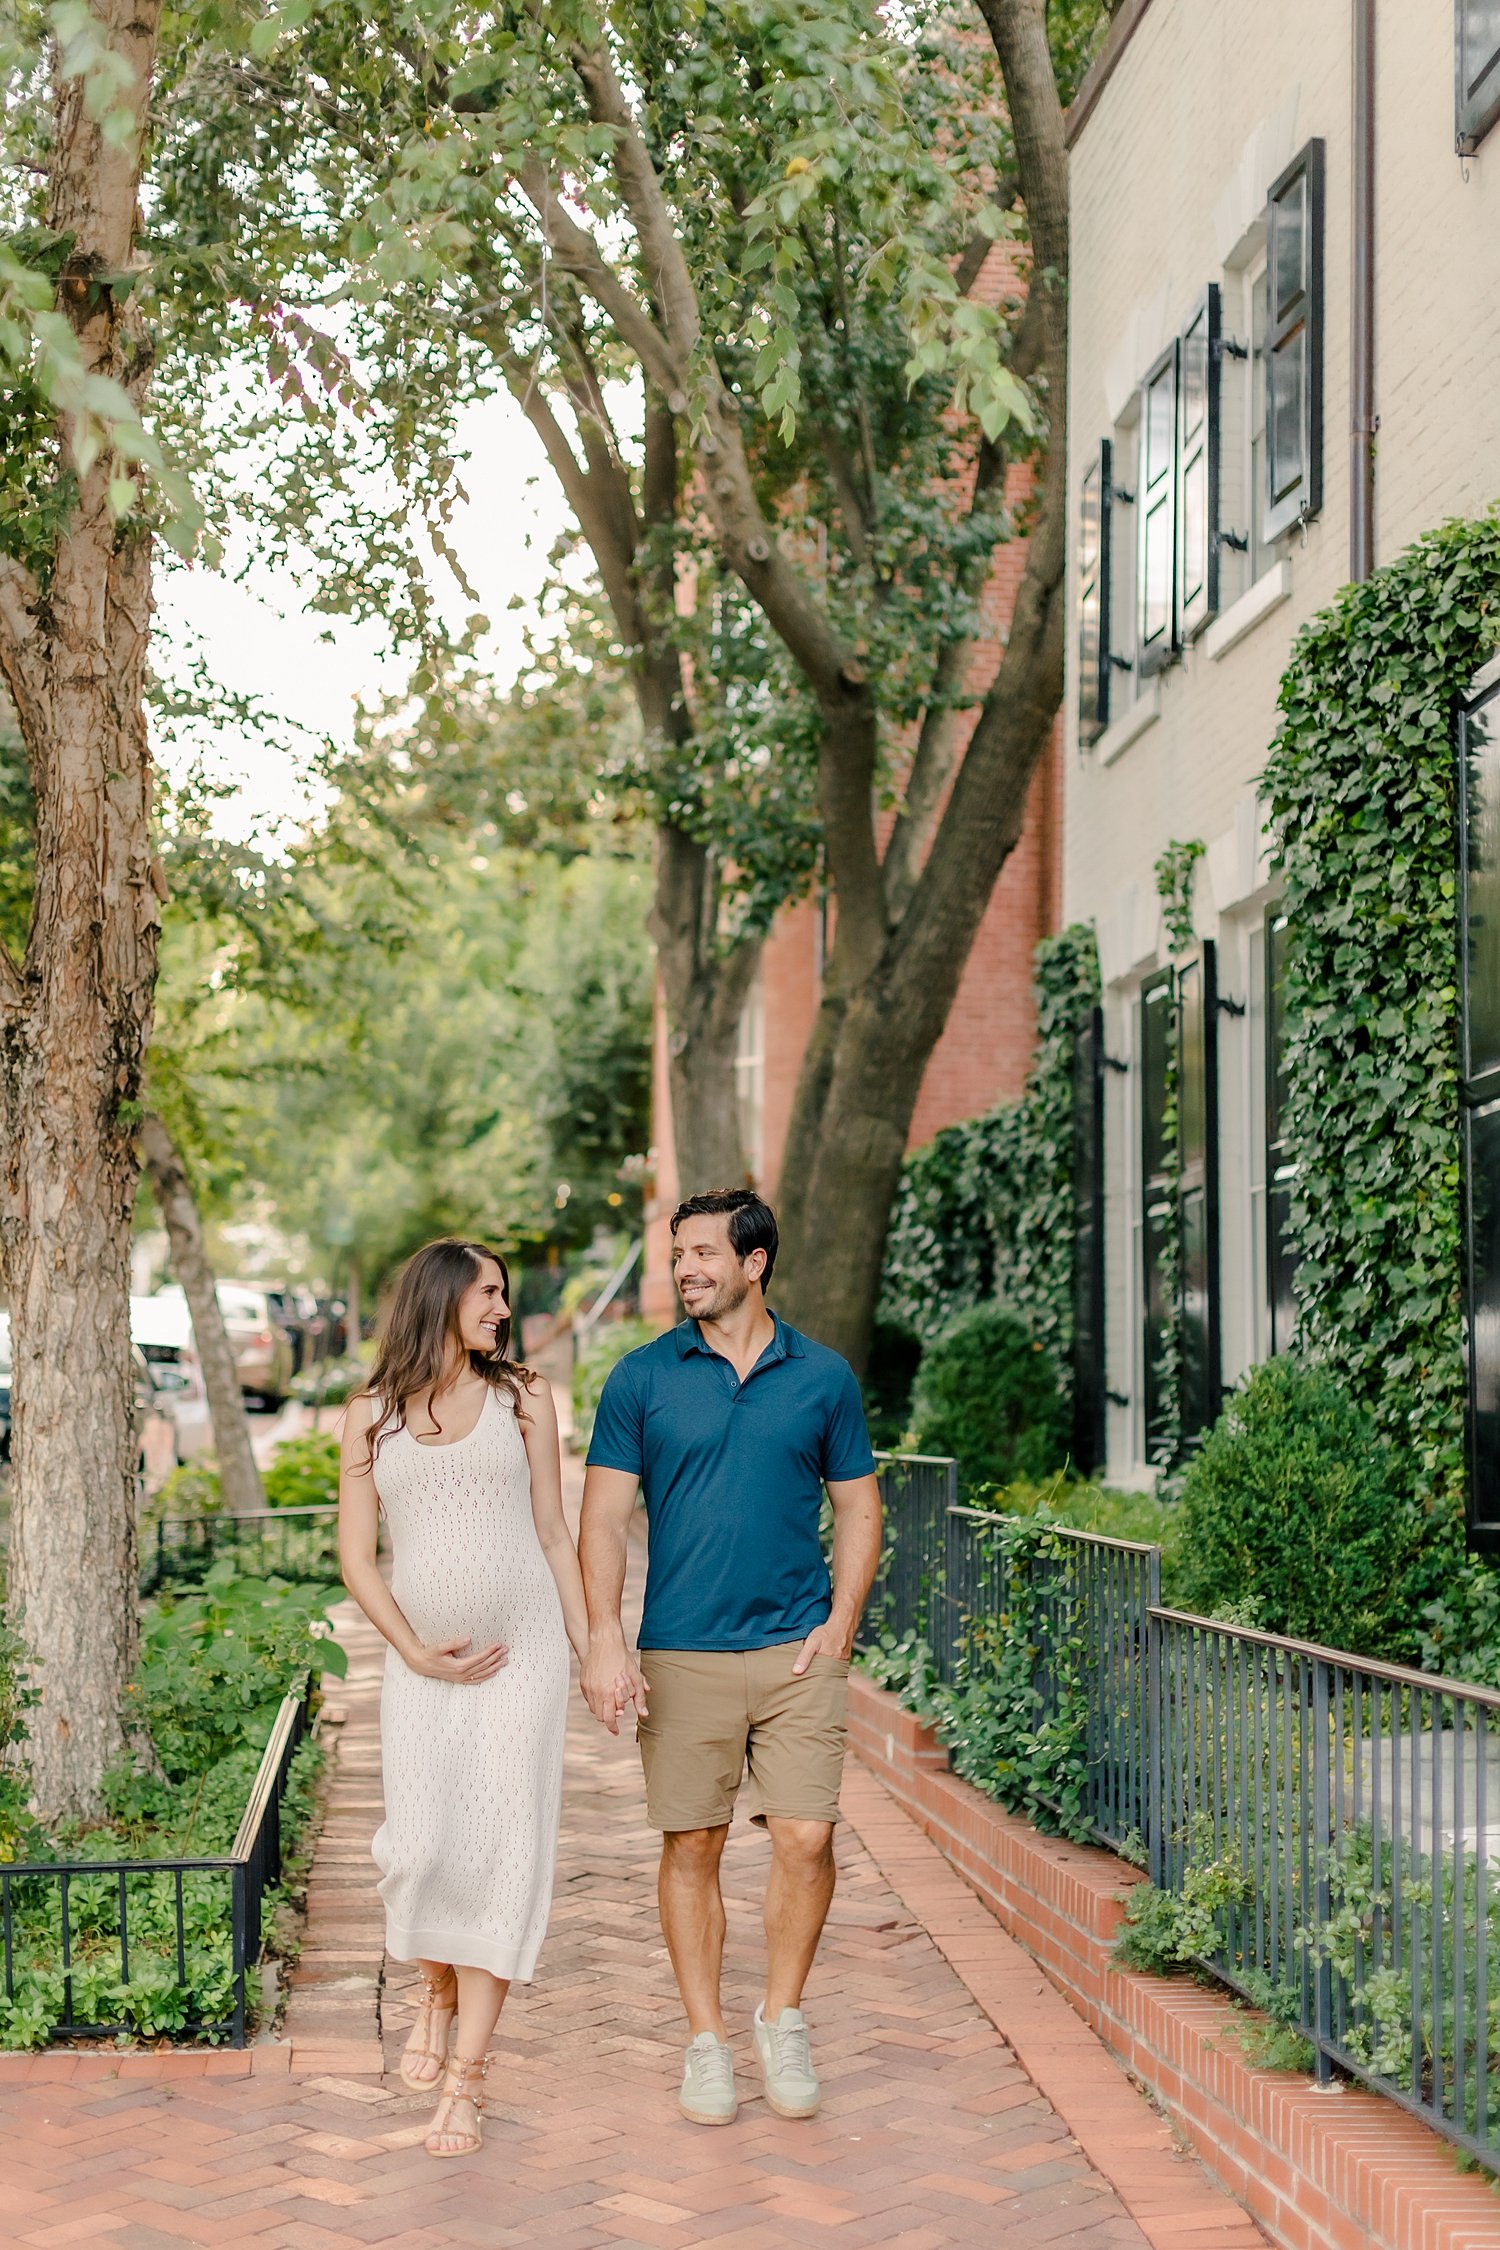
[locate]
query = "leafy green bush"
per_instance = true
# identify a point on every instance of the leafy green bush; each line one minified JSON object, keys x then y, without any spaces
{"x":17,"y":1827}
{"x":216,"y":1663}
{"x":890,"y":1373}
{"x":987,"y":1394}
{"x":190,"y":1492}
{"x":1294,"y":1513}
{"x":608,"y":1345}
{"x":1461,"y":1629}
{"x":1084,"y":1506}
{"x":329,"y":1382}
{"x":304,"y":1471}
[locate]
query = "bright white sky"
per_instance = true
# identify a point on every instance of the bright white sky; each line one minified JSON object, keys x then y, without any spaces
{"x":258,"y":638}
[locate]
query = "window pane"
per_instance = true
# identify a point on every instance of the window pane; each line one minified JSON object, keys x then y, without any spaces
{"x":1154,"y":1324}
{"x":1088,"y":524}
{"x":1195,"y":376}
{"x":1198,"y":1408}
{"x":1281,"y":1260}
{"x":1481,"y":47}
{"x":1481,"y":737}
{"x":1159,"y":417}
{"x":1156,"y":614}
{"x":1288,"y":389}
{"x":1156,"y":1032}
{"x":1289,"y":244}
{"x":1194,"y":526}
{"x":1192,"y":1101}
{"x":1483,"y":1311}
{"x":1259,"y":553}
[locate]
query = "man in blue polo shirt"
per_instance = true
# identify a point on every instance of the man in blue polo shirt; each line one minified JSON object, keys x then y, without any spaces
{"x":733,"y":1424}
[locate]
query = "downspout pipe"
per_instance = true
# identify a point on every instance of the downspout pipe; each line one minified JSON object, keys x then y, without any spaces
{"x":1362,"y":417}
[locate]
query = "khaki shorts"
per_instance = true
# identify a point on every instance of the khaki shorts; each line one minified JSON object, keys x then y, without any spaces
{"x":711,"y":1712}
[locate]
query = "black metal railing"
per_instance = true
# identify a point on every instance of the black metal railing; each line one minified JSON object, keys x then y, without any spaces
{"x":918,"y":1490}
{"x":294,"y":1543}
{"x":1331,"y":1823}
{"x":99,"y":1947}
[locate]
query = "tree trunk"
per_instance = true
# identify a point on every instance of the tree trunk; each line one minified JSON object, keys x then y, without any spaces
{"x":704,"y":992}
{"x":75,"y":1018}
{"x":239,"y":1478}
{"x":880,"y":1020}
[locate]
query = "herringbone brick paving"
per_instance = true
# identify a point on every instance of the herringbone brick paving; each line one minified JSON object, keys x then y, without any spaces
{"x":931,"y":2133}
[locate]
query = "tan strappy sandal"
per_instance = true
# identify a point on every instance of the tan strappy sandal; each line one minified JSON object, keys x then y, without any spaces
{"x":433,"y":2003}
{"x":458,"y":2086}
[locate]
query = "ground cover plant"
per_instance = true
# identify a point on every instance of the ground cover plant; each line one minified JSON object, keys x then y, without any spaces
{"x":215,"y":1664}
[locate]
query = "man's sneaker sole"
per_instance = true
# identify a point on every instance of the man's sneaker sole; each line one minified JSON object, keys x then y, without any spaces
{"x":701,"y":2116}
{"x":791,"y":2109}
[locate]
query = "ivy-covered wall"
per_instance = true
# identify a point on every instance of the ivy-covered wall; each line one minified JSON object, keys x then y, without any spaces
{"x":986,"y":1208}
{"x":1361,"y":786}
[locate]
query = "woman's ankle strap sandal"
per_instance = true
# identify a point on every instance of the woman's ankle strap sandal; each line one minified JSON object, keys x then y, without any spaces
{"x":440,"y":1997}
{"x":458,"y":2087}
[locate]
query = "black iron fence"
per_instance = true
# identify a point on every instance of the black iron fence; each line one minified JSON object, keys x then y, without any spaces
{"x":295,"y":1543}
{"x":1329,"y":1825}
{"x":97,"y":1947}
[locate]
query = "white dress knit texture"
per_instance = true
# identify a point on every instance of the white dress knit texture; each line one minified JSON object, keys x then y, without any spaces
{"x":473,"y":1775}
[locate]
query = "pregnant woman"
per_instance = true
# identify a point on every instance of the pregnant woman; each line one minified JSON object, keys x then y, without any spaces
{"x":458,"y":1445}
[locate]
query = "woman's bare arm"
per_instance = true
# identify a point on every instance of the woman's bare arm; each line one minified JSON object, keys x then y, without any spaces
{"x":539,"y":1429}
{"x":359,"y":1533}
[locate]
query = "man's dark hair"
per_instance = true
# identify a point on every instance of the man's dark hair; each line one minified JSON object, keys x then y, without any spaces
{"x":752,"y":1222}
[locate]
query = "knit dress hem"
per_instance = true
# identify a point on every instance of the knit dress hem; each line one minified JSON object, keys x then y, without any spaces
{"x":461,"y":1948}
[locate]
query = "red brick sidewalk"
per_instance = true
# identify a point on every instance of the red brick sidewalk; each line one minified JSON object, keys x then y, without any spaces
{"x":932,"y":2133}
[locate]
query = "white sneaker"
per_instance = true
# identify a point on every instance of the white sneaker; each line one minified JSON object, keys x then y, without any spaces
{"x":792,"y":2088}
{"x":708,"y":2096}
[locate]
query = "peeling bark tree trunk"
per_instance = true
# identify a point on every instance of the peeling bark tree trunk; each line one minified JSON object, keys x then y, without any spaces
{"x":239,"y":1478}
{"x":76,"y":1015}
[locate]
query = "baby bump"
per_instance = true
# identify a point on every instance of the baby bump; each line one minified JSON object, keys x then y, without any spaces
{"x":516,"y":1603}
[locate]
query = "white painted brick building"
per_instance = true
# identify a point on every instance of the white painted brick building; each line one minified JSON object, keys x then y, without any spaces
{"x":1205,"y":127}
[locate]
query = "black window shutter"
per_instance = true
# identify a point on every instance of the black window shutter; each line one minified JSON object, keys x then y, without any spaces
{"x":1198,"y":469}
{"x":1294,"y":344}
{"x":1093,"y":596}
{"x":1156,"y":514}
{"x":1477,"y":69}
{"x":1088,"y":1244}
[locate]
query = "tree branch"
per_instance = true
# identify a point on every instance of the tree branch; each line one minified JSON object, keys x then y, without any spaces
{"x":579,"y":254}
{"x":986,"y":807}
{"x":936,"y":753}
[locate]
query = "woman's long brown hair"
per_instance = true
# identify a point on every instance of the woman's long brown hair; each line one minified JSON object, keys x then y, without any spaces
{"x":420,"y":1323}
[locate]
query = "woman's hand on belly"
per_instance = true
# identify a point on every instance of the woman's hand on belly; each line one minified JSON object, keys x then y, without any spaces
{"x":457,"y":1661}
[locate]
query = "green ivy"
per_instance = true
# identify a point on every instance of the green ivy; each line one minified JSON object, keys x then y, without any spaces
{"x":1360,"y":787}
{"x":1174,"y":887}
{"x":986,"y":1208}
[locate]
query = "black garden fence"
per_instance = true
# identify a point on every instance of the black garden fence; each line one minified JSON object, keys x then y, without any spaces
{"x":1336,"y":1821}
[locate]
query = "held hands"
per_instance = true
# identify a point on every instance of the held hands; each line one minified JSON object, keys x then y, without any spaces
{"x":459,"y":1661}
{"x":611,"y":1682}
{"x":829,"y":1639}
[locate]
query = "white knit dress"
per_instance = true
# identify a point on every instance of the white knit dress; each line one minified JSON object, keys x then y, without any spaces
{"x":473,"y":1775}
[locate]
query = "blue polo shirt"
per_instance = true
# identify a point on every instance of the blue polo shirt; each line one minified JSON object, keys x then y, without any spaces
{"x":733,"y":1475}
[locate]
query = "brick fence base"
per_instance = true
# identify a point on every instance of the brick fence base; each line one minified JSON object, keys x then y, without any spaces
{"x":1321,"y":2168}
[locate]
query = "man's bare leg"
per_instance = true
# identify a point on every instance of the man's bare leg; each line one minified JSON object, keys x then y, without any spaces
{"x":798,"y":1897}
{"x":692,"y":1922}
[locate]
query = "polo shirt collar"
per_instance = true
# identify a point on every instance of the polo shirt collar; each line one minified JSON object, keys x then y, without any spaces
{"x":785,"y":1344}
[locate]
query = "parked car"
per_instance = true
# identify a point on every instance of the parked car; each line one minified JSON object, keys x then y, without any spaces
{"x":155,"y":1427}
{"x":295,"y":1312}
{"x":163,"y":1333}
{"x":261,"y":1348}
{"x":156,"y":1432}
